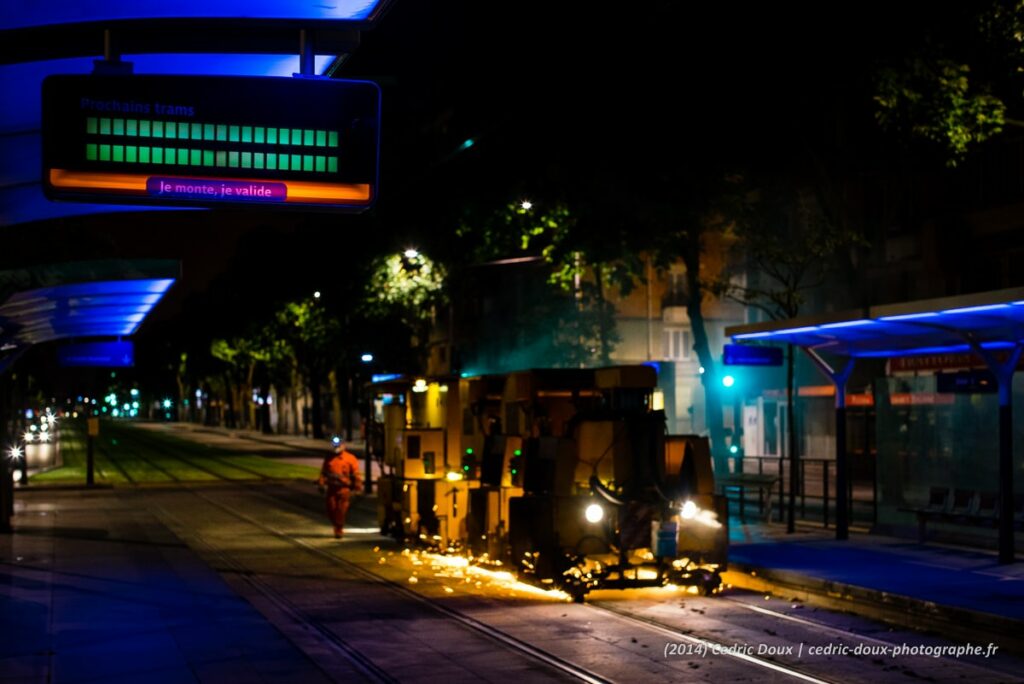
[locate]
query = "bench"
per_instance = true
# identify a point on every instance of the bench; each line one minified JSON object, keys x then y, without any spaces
{"x":741,"y":482}
{"x":963,"y":507}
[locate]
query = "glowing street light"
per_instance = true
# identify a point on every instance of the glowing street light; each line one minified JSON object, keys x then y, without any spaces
{"x":728,"y":380}
{"x":316,"y":295}
{"x":411,"y":253}
{"x":14,"y":453}
{"x":527,"y":205}
{"x":366,"y":358}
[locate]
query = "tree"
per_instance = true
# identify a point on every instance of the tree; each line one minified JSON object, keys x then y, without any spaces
{"x":314,"y":336}
{"x":409,"y":286}
{"x":787,"y":245}
{"x":586,"y":259}
{"x":686,"y":215}
{"x":955,"y":91}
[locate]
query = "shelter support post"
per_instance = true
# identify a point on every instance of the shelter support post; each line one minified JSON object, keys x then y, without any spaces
{"x":1004,"y":370}
{"x":839,"y":379}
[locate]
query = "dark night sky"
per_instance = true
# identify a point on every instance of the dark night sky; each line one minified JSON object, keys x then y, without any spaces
{"x":551,"y":93}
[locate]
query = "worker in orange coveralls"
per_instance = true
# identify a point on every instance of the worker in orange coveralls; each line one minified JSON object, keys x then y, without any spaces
{"x":340,"y":477}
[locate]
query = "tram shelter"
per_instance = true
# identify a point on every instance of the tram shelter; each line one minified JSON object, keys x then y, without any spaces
{"x":988,"y":325}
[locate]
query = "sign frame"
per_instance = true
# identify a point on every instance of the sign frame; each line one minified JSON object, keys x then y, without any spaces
{"x":209,"y":141}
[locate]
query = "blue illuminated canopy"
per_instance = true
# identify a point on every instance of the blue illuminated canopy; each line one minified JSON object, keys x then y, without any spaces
{"x":993,"y":320}
{"x":83,"y":300}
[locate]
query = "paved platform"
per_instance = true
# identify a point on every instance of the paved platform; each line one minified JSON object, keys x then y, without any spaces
{"x":93,"y":588}
{"x":946,"y":585}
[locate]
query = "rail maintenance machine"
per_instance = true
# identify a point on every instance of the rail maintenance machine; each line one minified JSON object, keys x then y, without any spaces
{"x":567,"y":476}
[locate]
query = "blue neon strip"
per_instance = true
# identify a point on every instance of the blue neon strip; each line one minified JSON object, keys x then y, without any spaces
{"x":918,"y":351}
{"x":749,"y":336}
{"x":848,"y":324}
{"x":25,"y":14}
{"x":972,"y":309}
{"x":910,"y":317}
{"x":794,"y":331}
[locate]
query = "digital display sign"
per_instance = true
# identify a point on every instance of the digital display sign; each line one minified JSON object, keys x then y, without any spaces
{"x":97,"y":355}
{"x":211,"y":140}
{"x":745,"y":355}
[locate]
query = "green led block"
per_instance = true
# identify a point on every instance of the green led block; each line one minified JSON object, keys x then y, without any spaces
{"x":104,"y":126}
{"x":158,"y":129}
{"x":132,"y":127}
{"x":91,"y":153}
{"x":332,"y":165}
{"x":233,"y":133}
{"x":118,"y":126}
{"x":257,"y":160}
{"x":282,"y":135}
{"x":307,"y":163}
{"x":158,"y":155}
{"x":92,"y":125}
{"x":247,"y":160}
{"x":332,"y":139}
{"x":171,"y":130}
{"x":259,"y":132}
{"x":118,"y":153}
{"x":207,"y":131}
{"x":144,"y":128}
{"x":321,"y":164}
{"x":144,"y":155}
{"x":182,"y":156}
{"x":222,"y":133}
{"x":197,"y":131}
{"x":282,"y":162}
{"x":196,"y":157}
{"x":207,"y":157}
{"x":104,"y":152}
{"x":271,"y":159}
{"x":246,"y":133}
{"x":321,"y":138}
{"x":296,"y":136}
{"x":272,"y":136}
{"x":222,"y":158}
{"x":131,"y":154}
{"x":233,"y":159}
{"x":296,"y":162}
{"x":307,"y":137}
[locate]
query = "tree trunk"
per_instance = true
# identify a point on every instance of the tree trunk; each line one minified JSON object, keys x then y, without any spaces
{"x":229,"y":396}
{"x":294,"y":400}
{"x":605,"y":319}
{"x":336,"y":411}
{"x":317,"y":408}
{"x":710,"y":380}
{"x":791,"y":433}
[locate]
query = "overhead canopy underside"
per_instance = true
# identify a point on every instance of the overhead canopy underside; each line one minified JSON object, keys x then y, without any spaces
{"x":993,"y":320}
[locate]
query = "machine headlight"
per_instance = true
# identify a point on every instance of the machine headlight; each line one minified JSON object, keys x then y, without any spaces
{"x":689,"y":510}
{"x":453,"y":476}
{"x":594,"y":513}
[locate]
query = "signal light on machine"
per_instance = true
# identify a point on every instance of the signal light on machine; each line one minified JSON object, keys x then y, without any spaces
{"x":734,"y":449}
{"x":466,"y":468}
{"x":594,"y":513}
{"x":454,"y":475}
{"x":469,"y":452}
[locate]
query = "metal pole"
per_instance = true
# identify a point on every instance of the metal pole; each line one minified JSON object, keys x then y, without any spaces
{"x":1006,"y":540}
{"x":89,"y":482}
{"x":842,"y":493}
{"x":307,"y":58}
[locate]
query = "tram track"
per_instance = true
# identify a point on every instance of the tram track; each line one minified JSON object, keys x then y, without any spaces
{"x":661,"y":628}
{"x":506,"y":640}
{"x":725,"y":648}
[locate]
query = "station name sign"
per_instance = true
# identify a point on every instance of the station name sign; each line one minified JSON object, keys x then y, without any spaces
{"x":745,"y":355}
{"x":211,"y":140}
{"x":97,"y":355}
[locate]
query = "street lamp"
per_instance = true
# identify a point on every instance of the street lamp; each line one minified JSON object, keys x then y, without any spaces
{"x":527,"y":205}
{"x":366,"y":358}
{"x":316,"y":295}
{"x":411,"y":253}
